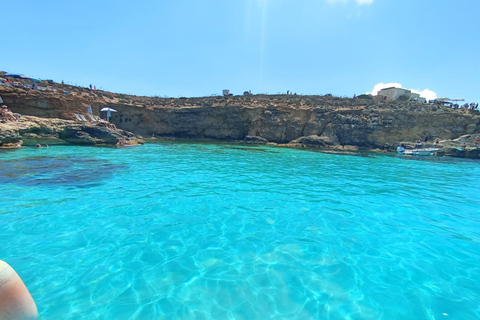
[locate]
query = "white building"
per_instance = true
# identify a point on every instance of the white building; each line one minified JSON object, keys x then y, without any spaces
{"x":393,"y":93}
{"x":414,"y":96}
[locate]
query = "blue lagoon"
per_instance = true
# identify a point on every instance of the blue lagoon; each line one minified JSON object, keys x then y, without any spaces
{"x":222,"y":231}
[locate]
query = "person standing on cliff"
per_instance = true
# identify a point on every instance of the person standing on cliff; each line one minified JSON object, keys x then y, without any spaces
{"x":476,"y":142}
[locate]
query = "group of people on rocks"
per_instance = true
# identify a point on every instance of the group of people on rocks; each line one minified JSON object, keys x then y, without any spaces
{"x":471,"y":106}
{"x":463,"y":142}
{"x":8,"y":115}
{"x":121,"y":143}
{"x":25,"y":85}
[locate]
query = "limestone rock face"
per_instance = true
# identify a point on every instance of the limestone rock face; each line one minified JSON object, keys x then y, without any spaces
{"x":9,"y":137}
{"x":96,"y":135}
{"x":315,"y":141}
{"x":366,"y":127}
{"x":255,"y":140}
{"x":471,"y":153}
{"x":309,"y":120}
{"x":40,"y":130}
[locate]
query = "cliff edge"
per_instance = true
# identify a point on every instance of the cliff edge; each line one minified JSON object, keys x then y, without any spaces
{"x":327,"y":122}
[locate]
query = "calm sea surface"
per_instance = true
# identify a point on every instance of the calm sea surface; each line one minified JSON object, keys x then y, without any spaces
{"x":219,"y":231}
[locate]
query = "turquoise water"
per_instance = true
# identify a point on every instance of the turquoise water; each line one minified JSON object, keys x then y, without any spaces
{"x":218,"y":231}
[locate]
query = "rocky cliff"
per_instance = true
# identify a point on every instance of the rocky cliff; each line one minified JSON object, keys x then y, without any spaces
{"x":32,"y":130}
{"x":328,"y":122}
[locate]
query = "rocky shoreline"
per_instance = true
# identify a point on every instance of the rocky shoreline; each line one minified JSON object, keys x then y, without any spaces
{"x":324,"y":122}
{"x":30,"y":130}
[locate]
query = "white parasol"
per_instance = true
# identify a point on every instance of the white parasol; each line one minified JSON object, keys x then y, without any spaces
{"x":109,"y":111}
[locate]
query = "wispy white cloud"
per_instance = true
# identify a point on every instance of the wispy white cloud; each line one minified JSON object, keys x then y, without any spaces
{"x":357,"y":1}
{"x":427,"y":93}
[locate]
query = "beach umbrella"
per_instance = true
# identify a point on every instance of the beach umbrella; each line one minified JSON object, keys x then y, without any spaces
{"x":109,"y":111}
{"x":22,"y":76}
{"x":14,"y":75}
{"x":89,"y":109}
{"x":456,"y":100}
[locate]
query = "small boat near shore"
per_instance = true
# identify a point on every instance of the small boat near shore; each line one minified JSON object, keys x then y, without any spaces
{"x":417,"y":152}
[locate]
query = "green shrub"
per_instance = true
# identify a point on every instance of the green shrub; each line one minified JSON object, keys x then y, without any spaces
{"x":365,"y":96}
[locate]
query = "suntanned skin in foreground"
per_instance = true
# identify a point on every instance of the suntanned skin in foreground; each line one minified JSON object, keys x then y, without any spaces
{"x":16,"y":303}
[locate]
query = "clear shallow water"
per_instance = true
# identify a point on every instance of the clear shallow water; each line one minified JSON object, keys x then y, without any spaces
{"x":205,"y":231}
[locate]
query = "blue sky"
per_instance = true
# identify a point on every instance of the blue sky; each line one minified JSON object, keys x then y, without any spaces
{"x":197,"y":48}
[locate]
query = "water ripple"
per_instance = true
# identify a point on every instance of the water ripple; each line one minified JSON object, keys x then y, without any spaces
{"x":186,"y":231}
